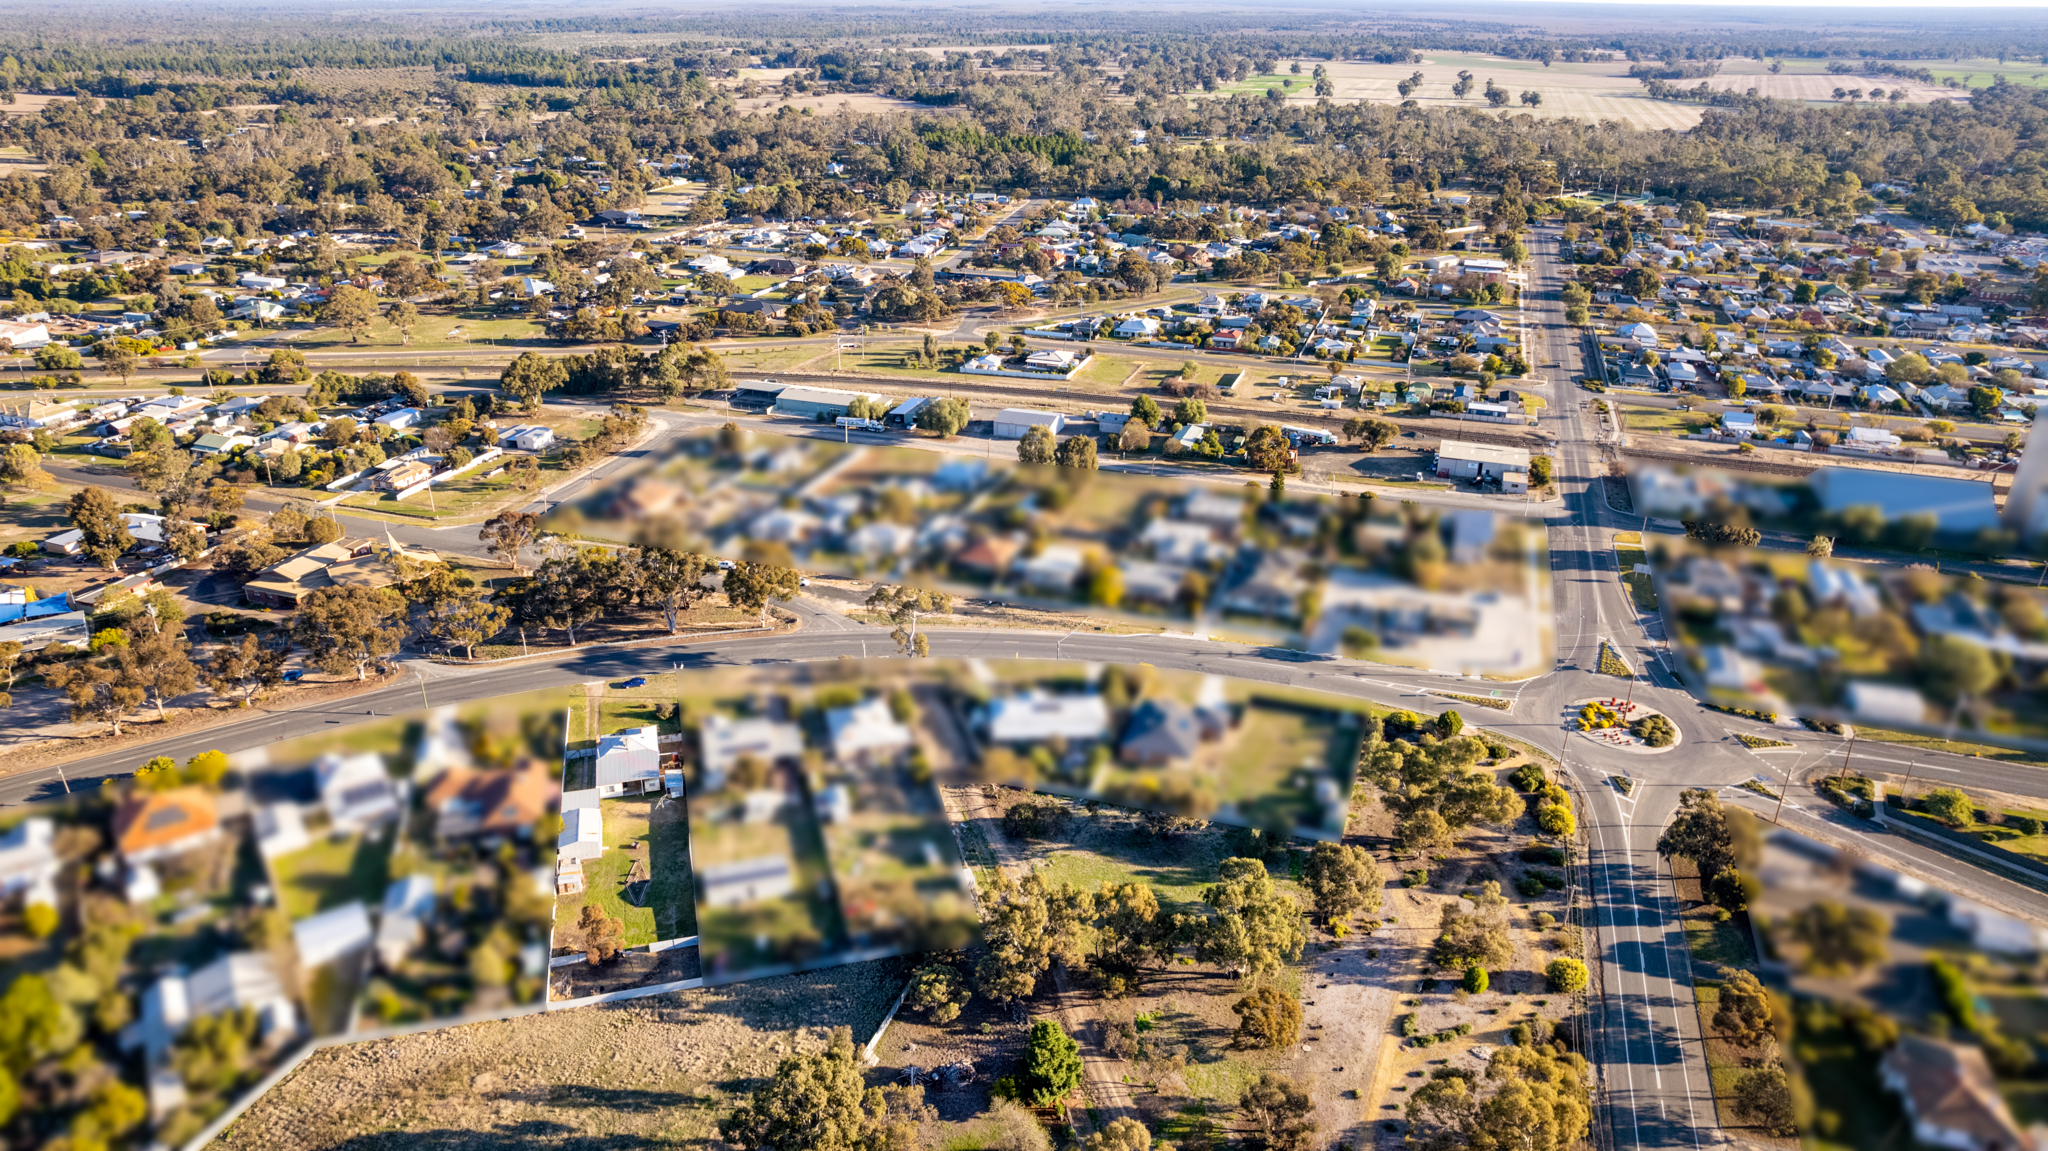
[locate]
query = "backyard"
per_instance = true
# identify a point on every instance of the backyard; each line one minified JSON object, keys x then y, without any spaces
{"x":332,"y":872}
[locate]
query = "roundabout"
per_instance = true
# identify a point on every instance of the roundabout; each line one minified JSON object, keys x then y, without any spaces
{"x":1624,"y":726}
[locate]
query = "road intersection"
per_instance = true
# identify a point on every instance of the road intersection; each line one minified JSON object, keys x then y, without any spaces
{"x":1647,"y":1049}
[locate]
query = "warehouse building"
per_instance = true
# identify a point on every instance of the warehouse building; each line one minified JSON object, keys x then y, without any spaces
{"x":1012,"y":423}
{"x":1459,"y":460}
{"x":816,"y":403}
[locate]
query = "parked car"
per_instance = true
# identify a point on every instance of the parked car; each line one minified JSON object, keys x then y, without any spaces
{"x":636,"y":681}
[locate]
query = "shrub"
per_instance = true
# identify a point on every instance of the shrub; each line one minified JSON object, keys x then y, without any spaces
{"x":1409,"y":1026}
{"x":1527,"y":777}
{"x":1529,"y":886}
{"x":1567,"y":975}
{"x":2027,"y":825}
{"x":1654,"y":730}
{"x":1269,"y":1018}
{"x":1416,"y":878}
{"x":1556,"y":819}
{"x":1543,"y":853}
{"x":1033,"y":819}
{"x":1950,"y":806}
{"x":1476,"y":979}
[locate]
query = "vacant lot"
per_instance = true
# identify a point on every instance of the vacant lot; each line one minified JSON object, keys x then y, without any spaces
{"x":655,"y":1071}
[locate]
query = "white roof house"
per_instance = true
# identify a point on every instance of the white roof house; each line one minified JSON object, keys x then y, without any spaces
{"x":746,"y":882}
{"x":356,"y":790}
{"x":332,"y":934}
{"x":280,"y":830}
{"x":236,"y":980}
{"x":408,"y":904}
{"x":1035,"y":716}
{"x":528,"y":437}
{"x":628,"y":760}
{"x":1885,"y":702}
{"x":399,"y":420}
{"x":28,"y":861}
{"x":582,"y":834}
{"x":868,"y":728}
{"x":724,"y":741}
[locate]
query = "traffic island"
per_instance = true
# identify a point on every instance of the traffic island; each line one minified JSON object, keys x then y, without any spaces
{"x":1625,"y":726}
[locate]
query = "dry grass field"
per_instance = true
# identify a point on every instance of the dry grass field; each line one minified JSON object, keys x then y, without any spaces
{"x":1594,"y":92}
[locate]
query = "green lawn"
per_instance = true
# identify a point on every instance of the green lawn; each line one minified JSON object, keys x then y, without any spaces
{"x":469,"y":495}
{"x":1176,"y":872}
{"x":1107,"y":371}
{"x":1640,"y":586}
{"x":1955,"y":746}
{"x":1662,"y":421}
{"x":331,"y":873}
{"x":742,"y":358}
{"x":672,"y":894}
{"x":1712,"y":941}
{"x":2009,"y":838}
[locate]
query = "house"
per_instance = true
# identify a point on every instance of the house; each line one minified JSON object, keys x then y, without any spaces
{"x":164,"y":824}
{"x":1739,"y":423}
{"x":1949,"y":1092}
{"x":746,"y":882}
{"x":582,"y":833}
{"x":217,"y":444}
{"x":467,"y":802}
{"x":988,"y":558}
{"x":399,"y":420}
{"x":1884,"y":702}
{"x":1272,"y":589}
{"x":1165,"y":731}
{"x":723,"y":742}
{"x":408,"y":904}
{"x":867,"y":730}
{"x":629,"y":761}
{"x":1035,"y":716}
{"x":1730,"y":669}
{"x":1872,"y":440}
{"x":1148,"y":582}
{"x":1012,"y":423}
{"x":358,"y":563}
{"x":527,"y":437}
{"x":232,"y":982}
{"x":333,"y":934}
{"x":1054,"y":570}
{"x":28,"y":861}
{"x":356,"y":790}
{"x":280,"y":829}
{"x":260,"y":283}
{"x":1136,"y":327}
{"x":401,"y":475}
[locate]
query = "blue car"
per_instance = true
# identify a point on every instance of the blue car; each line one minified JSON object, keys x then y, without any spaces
{"x":636,"y":681}
{"x":294,"y":676}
